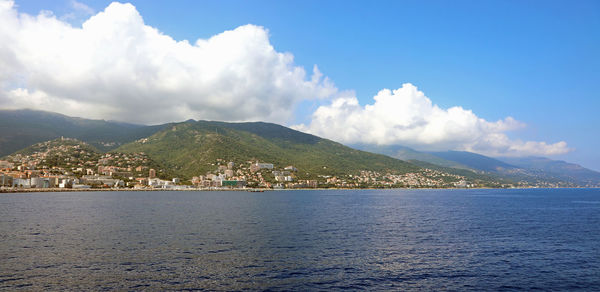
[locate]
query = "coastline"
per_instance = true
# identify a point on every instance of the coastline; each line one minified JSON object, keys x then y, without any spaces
{"x":66,"y":190}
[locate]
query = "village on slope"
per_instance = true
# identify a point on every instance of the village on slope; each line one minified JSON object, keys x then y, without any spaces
{"x":67,"y":163}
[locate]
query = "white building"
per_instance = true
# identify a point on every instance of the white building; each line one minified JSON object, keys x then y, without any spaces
{"x":258,"y":166}
{"x":22,"y":182}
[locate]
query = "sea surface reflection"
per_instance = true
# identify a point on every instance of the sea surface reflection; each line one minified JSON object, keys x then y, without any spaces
{"x":302,"y":240}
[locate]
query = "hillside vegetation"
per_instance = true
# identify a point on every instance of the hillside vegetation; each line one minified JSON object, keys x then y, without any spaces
{"x":191,"y":148}
{"x":23,"y":128}
{"x":409,"y":154}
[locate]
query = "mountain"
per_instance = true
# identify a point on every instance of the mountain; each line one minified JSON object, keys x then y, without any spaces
{"x":483,"y":179}
{"x":63,"y":153}
{"x":431,"y":161}
{"x":58,"y":144}
{"x":475,"y":161}
{"x":537,"y":171}
{"x":502,"y":170}
{"x":22,"y":128}
{"x":192,"y":148}
{"x":409,"y":154}
{"x":556,"y":168}
{"x":534,"y":170}
{"x":447,"y":159}
{"x":69,"y":156}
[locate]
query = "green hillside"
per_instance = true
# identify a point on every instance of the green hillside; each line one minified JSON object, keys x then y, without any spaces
{"x":23,"y":128}
{"x":69,"y":154}
{"x":192,"y":148}
{"x":52,"y":144}
{"x":60,"y":152}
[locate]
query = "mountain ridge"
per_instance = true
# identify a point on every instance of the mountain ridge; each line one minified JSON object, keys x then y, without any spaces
{"x":534,"y":170}
{"x":192,"y":148}
{"x":408,"y":154}
{"x":23,"y":128}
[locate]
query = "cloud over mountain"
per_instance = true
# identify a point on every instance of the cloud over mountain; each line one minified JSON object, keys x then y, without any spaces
{"x":117,"y":67}
{"x":406,"y":116}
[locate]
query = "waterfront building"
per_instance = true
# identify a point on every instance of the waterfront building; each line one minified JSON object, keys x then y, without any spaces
{"x":6,"y":180}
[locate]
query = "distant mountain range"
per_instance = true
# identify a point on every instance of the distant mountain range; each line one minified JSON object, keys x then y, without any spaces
{"x":556,"y":168}
{"x":534,"y":170}
{"x":190,"y":147}
{"x":408,"y":154}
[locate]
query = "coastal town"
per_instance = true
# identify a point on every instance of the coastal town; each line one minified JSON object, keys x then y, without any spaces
{"x":67,"y":163}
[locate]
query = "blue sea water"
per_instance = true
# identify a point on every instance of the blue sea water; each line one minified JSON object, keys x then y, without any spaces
{"x":535,"y":239}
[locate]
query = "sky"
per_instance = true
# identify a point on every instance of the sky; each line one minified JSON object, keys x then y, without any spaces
{"x":500,"y":78}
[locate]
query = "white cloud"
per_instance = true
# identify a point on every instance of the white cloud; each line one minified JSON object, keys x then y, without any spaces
{"x":407,"y":117}
{"x":116,"y":67}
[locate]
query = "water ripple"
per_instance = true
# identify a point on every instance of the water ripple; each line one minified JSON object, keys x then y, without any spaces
{"x":461,"y":240}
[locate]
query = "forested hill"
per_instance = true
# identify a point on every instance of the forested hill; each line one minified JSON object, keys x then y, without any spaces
{"x":191,"y":148}
{"x":22,"y":128}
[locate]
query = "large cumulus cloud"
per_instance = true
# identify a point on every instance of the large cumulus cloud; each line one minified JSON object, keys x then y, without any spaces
{"x":406,"y":116}
{"x":114,"y":66}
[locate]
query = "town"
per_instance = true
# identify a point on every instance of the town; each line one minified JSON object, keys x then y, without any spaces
{"x":67,"y":163}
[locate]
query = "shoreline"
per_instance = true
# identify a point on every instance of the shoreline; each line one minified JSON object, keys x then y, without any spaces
{"x":66,"y":190}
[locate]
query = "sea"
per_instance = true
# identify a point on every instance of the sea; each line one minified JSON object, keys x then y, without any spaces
{"x":456,"y":240}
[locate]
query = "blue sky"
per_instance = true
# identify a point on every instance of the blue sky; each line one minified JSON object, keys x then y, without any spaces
{"x":535,"y":61}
